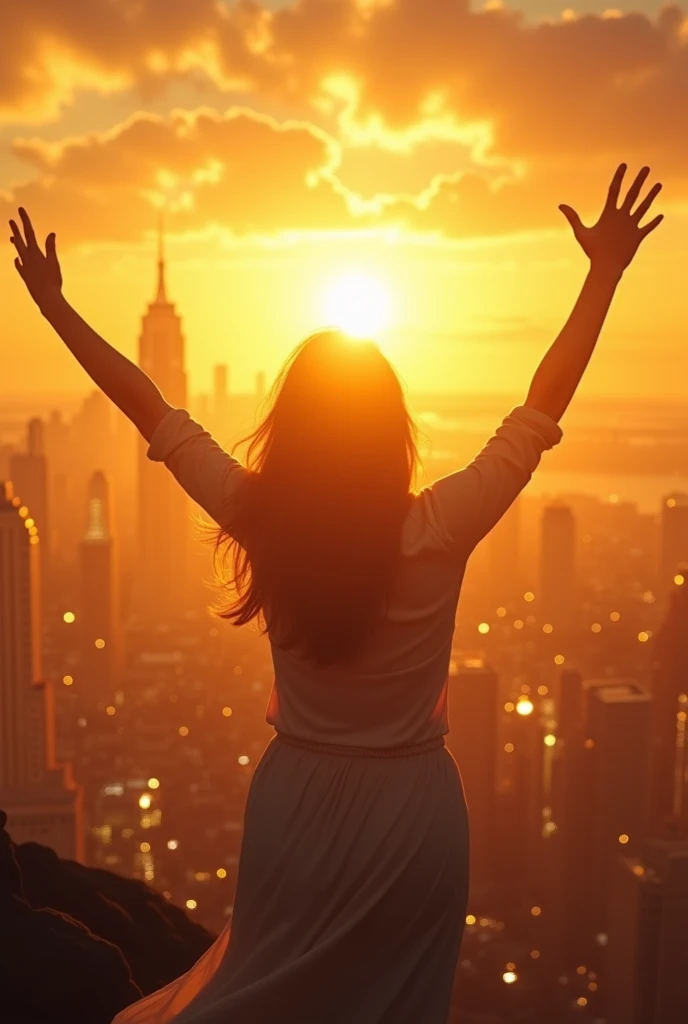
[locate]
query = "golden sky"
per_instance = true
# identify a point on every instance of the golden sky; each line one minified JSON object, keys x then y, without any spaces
{"x":424,"y":144}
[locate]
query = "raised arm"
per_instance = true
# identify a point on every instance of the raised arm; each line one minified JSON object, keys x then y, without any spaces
{"x":610,"y":245}
{"x":120,"y":379}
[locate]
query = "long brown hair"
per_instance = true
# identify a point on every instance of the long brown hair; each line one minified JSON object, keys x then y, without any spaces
{"x":316,"y":536}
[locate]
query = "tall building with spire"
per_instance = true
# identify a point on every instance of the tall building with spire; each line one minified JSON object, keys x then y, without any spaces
{"x":41,"y":801}
{"x":100,"y":609}
{"x":164,"y":513}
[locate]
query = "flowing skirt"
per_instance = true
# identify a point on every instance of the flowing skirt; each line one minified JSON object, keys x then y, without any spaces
{"x":350,"y":902}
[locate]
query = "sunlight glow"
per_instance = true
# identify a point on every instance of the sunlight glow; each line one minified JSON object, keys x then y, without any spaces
{"x":358,"y":304}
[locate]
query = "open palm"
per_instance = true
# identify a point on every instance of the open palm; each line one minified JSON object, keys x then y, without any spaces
{"x":614,"y":239}
{"x":40,"y":271}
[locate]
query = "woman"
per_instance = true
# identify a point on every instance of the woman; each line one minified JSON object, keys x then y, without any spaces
{"x":352,"y":884}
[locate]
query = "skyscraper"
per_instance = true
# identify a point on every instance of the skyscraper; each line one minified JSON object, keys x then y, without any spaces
{"x":504,"y":543}
{"x":29,"y":475}
{"x":648,"y":935}
{"x":670,"y":693}
{"x":558,"y":566}
{"x":220,"y":398}
{"x":164,"y":517}
{"x":473,"y":708}
{"x":673,"y":539}
{"x":100,"y":610}
{"x":41,"y":802}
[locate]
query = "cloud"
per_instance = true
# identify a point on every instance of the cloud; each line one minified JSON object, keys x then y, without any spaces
{"x":387,"y":93}
{"x":237,"y":169}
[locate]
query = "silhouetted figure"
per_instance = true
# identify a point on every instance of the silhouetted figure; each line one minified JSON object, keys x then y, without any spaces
{"x":353,"y":880}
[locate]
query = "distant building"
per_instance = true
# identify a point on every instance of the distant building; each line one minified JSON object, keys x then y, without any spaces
{"x":504,"y":545}
{"x":42,"y":803}
{"x":557,"y":595}
{"x":669,"y":784}
{"x":648,"y":935}
{"x":100,"y":599}
{"x":473,"y":702}
{"x":29,"y":475}
{"x":164,"y":511}
{"x":673,"y":539}
{"x":220,"y":395}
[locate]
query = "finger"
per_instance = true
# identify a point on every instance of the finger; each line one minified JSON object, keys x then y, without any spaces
{"x":50,"y":246}
{"x":652,"y":225}
{"x":19,"y":268}
{"x":634,"y":190}
{"x":28,"y":228}
{"x":573,"y":218}
{"x":647,"y":201}
{"x":17,"y":239}
{"x":615,"y":187}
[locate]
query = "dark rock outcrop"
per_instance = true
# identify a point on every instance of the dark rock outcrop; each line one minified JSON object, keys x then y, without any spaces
{"x":78,"y":944}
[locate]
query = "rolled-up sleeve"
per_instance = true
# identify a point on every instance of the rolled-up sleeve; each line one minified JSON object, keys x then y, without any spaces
{"x":208,"y":474}
{"x":467,"y":504}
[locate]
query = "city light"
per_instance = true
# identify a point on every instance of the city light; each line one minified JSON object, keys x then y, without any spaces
{"x":243,"y":759}
{"x":536,"y":911}
{"x":183,"y":730}
{"x":643,"y":637}
{"x":111,"y":709}
{"x":518,"y":623}
{"x":529,"y":596}
{"x":470,"y":919}
{"x":509,"y":706}
{"x":221,"y":873}
{"x":509,"y":977}
{"x":144,"y":847}
{"x":543,"y":691}
{"x":227,"y":712}
{"x":535,"y":954}
{"x":484,"y":628}
{"x":559,"y":659}
{"x":67,"y":680}
{"x":550,"y":740}
{"x":145,"y":801}
{"x":172,"y":844}
{"x":525,"y":707}
{"x":501,"y":612}
{"x":100,"y":644}
{"x":69,"y":616}
{"x":548,"y":628}
{"x":154,"y":783}
{"x":509,"y":748}
{"x":679,"y":579}
{"x":191,"y":904}
{"x":623,"y":839}
{"x":581,"y":970}
{"x":596,"y":627}
{"x":582,"y":1001}
{"x":614,"y":616}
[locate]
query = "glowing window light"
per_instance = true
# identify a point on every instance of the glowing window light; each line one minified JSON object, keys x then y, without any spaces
{"x":529,"y":596}
{"x":623,"y":838}
{"x":227,"y":712}
{"x":550,"y":740}
{"x":509,"y":977}
{"x":23,"y":511}
{"x":484,"y":628}
{"x":679,"y":579}
{"x":548,"y":628}
{"x":69,"y":616}
{"x":183,"y":731}
{"x":172,"y":844}
{"x":470,"y":919}
{"x":100,"y":644}
{"x":243,"y":759}
{"x":559,"y":659}
{"x":509,"y":747}
{"x":144,"y":847}
{"x":145,"y":801}
{"x":525,"y":707}
{"x":191,"y":904}
{"x":149,"y":875}
{"x":643,"y":636}
{"x":111,"y":709}
{"x":28,"y":523}
{"x":154,"y":783}
{"x":68,"y":680}
{"x":221,"y":873}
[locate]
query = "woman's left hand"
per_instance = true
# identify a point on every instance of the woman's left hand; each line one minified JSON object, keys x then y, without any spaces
{"x":39,"y":271}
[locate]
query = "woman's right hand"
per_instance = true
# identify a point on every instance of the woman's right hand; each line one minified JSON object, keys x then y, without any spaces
{"x":613,"y":241}
{"x":39,"y":271}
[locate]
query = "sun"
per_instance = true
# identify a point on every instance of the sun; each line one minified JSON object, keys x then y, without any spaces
{"x":358,"y":304}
